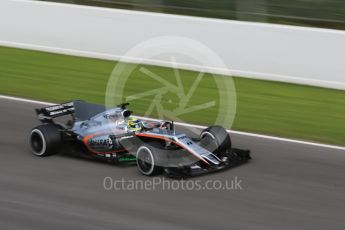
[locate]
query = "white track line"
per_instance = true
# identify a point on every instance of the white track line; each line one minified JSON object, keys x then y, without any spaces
{"x":199,"y":126}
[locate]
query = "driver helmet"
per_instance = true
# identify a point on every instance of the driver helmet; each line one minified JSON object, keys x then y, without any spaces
{"x":134,"y":124}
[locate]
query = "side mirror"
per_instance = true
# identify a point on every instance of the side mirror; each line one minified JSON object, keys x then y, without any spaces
{"x":123,"y":105}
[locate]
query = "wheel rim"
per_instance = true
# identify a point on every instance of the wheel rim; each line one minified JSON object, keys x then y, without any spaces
{"x":37,"y":142}
{"x":145,"y":160}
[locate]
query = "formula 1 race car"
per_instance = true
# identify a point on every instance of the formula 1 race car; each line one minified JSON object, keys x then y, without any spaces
{"x":114,"y":135}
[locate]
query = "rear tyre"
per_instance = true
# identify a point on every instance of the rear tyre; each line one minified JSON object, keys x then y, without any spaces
{"x":216,"y":139}
{"x":147,"y":160}
{"x":45,"y":140}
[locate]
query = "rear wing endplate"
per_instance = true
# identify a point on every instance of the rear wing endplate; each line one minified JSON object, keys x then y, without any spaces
{"x":54,"y":111}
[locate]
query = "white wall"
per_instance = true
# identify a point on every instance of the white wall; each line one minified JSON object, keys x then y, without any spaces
{"x":265,"y":51}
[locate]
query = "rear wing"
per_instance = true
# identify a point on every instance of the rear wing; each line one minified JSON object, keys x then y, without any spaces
{"x":79,"y":110}
{"x":48,"y":113}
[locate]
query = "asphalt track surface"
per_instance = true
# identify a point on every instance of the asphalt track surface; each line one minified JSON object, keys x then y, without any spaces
{"x":285,"y":186}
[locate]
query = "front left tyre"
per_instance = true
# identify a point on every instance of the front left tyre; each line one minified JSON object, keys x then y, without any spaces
{"x":45,"y":140}
{"x":147,"y":159}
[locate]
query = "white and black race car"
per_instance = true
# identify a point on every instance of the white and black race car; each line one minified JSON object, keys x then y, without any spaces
{"x":116,"y":136}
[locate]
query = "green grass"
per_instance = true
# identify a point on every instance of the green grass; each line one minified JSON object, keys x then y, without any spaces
{"x":266,"y":107}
